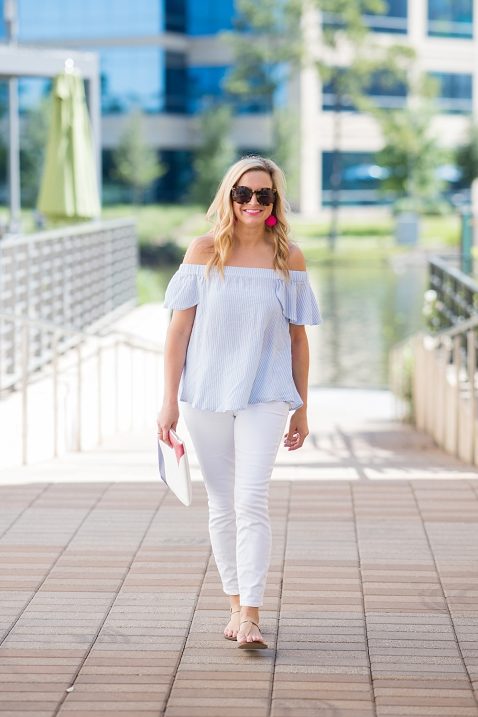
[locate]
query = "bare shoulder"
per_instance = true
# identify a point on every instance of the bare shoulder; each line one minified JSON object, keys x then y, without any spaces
{"x":200,"y":250}
{"x":296,"y":260}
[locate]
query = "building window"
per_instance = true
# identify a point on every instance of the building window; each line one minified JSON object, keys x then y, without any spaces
{"x":393,"y":20}
{"x":208,"y":17}
{"x":450,"y":18}
{"x":65,"y":19}
{"x":175,"y":15}
{"x":360,"y":178}
{"x":3,"y":29}
{"x":176,"y":83}
{"x":455,"y":92}
{"x":175,"y":184}
{"x":205,"y":87}
{"x":131,"y":77}
{"x":383,"y":88}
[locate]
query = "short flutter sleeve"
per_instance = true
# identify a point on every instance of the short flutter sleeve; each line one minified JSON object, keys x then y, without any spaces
{"x":298,"y":300}
{"x":183,"y":290}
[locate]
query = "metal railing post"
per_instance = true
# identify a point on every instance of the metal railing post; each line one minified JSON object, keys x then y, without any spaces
{"x":66,"y":339}
{"x":78,"y":399}
{"x":99,"y":392}
{"x":471,"y":351}
{"x":24,"y":389}
{"x":457,"y":365}
{"x":54,"y":346}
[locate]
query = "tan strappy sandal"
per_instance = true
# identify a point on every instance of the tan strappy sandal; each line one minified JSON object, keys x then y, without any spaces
{"x":228,"y":637}
{"x":255,"y":644}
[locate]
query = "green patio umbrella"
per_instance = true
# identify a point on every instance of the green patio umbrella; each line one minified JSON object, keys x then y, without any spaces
{"x":69,"y":188}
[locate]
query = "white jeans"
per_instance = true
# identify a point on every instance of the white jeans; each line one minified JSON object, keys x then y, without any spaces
{"x":236,"y":451}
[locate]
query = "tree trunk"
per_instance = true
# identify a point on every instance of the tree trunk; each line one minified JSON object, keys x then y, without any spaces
{"x":336,"y":175}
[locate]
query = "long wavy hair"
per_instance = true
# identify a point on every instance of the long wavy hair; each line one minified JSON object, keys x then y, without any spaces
{"x":221,"y":213}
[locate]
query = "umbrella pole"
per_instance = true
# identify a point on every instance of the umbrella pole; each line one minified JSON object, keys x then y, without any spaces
{"x":94,"y":106}
{"x":11,"y":31}
{"x":13,"y":156}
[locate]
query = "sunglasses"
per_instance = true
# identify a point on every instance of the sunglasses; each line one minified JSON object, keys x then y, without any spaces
{"x":264,"y":196}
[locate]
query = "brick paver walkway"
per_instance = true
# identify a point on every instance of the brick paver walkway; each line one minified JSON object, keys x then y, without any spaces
{"x":111,"y":603}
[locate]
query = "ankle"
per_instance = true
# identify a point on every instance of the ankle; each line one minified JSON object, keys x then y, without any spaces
{"x":235,"y":603}
{"x":250,"y":613}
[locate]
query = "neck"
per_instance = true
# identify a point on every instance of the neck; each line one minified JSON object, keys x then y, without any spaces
{"x":248,"y":236}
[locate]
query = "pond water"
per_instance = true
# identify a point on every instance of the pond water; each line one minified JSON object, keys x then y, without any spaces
{"x":366,"y":309}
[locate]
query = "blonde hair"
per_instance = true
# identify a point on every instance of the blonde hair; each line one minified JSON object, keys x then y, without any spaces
{"x":221,"y":213}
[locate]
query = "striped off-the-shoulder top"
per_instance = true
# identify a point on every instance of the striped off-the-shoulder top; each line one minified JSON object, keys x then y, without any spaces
{"x":239,"y":351}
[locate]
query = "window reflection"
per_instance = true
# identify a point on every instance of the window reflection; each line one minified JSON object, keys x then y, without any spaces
{"x":207,"y":17}
{"x":131,"y":77}
{"x":48,"y":19}
{"x":383,"y":88}
{"x":393,"y":20}
{"x":455,"y":92}
{"x":175,"y":15}
{"x":450,"y":18}
{"x":176,"y":81}
{"x":360,"y":178}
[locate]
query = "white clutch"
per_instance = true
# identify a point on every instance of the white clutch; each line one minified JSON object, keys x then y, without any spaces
{"x":174,"y":467}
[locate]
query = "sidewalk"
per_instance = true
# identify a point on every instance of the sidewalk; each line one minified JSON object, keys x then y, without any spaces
{"x":111,"y":603}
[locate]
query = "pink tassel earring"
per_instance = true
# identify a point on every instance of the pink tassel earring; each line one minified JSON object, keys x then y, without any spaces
{"x":271,"y":221}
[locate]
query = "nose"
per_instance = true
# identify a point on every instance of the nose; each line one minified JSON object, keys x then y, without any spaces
{"x":253,"y":202}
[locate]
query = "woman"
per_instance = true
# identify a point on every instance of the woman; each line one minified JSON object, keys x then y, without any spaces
{"x":238,"y":345}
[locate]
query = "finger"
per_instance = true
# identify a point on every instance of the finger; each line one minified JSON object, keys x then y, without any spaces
{"x":295,"y":443}
{"x":163,"y":435}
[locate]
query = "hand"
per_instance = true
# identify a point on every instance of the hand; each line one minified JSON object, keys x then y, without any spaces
{"x":298,"y":430}
{"x":168,"y":418}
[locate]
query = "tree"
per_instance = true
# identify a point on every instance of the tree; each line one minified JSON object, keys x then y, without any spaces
{"x":466,"y":156}
{"x":274,"y":39}
{"x":215,"y":153}
{"x":33,"y":140}
{"x":135,"y":163}
{"x":412,"y":154}
{"x":285,"y":148}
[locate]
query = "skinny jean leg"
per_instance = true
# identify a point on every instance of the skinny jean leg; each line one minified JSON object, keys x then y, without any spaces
{"x":212,"y":435}
{"x":258,"y":431}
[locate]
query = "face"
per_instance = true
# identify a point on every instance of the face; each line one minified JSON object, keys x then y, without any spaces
{"x":252,"y":213}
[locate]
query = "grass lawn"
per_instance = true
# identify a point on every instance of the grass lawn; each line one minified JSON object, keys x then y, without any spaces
{"x":358,"y":242}
{"x":162,"y":223}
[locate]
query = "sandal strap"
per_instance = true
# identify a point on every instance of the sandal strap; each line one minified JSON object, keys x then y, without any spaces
{"x":234,"y":612}
{"x":254,"y":623}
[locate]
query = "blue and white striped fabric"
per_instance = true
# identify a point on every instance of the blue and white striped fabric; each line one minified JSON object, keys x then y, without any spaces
{"x":239,"y":351}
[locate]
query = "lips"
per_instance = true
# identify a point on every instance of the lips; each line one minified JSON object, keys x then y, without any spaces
{"x":252,"y":212}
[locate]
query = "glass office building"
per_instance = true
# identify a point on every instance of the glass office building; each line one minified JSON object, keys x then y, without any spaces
{"x":164,"y":57}
{"x":137,"y":69}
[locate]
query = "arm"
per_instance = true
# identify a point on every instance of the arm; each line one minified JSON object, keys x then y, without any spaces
{"x":298,"y":425}
{"x":175,"y":347}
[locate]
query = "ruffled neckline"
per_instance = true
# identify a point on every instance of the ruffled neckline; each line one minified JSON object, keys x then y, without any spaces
{"x":245,"y":270}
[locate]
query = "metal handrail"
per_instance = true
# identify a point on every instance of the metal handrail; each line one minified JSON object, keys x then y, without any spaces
{"x":459,"y":328}
{"x":79,"y":333}
{"x":77,"y":337}
{"x":66,"y":232}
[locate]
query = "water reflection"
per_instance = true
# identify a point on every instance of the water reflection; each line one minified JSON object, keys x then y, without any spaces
{"x":366,"y":309}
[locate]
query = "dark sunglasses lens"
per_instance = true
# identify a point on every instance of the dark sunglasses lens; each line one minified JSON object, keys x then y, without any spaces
{"x":265,"y":197}
{"x":241,"y":195}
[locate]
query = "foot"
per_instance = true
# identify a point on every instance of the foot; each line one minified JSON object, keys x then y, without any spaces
{"x":230,"y":631}
{"x":249,"y":633}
